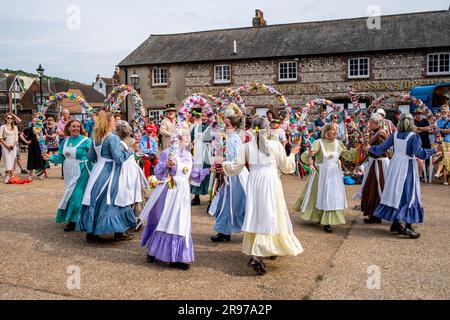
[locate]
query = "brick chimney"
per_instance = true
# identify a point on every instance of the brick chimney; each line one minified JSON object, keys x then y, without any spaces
{"x":258,"y":20}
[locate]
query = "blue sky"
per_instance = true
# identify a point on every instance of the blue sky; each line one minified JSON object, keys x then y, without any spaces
{"x":34,"y":32}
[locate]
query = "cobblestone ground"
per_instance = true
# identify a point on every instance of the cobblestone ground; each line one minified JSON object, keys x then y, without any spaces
{"x":37,"y":255}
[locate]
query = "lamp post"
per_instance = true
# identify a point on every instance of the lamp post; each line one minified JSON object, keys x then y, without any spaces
{"x":135,"y":83}
{"x":135,"y":80}
{"x":40,"y":72}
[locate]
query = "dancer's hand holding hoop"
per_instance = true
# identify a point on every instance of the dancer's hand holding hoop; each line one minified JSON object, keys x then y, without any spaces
{"x":171,"y":163}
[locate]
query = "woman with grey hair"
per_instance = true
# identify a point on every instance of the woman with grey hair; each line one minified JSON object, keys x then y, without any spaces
{"x":132,"y":180}
{"x":267,"y":227}
{"x":375,"y":175}
{"x":401,"y":198}
{"x":125,"y":133}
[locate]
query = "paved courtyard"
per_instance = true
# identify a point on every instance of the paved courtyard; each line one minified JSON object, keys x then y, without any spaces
{"x":355,"y":262}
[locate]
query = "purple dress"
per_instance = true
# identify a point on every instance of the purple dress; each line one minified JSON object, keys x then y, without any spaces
{"x":410,"y":209}
{"x":165,"y":246}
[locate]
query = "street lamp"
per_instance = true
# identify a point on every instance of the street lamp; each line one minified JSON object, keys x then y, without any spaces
{"x":135,"y":79}
{"x":40,"y":72}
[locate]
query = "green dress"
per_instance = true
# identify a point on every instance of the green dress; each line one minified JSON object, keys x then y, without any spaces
{"x":73,"y":207}
{"x":311,"y":213}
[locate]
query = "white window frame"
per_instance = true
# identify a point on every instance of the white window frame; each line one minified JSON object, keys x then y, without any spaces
{"x":439,"y":73}
{"x":288,"y":67}
{"x":155,"y":113}
{"x":359,"y":76}
{"x":154,"y":83}
{"x":219,"y":81}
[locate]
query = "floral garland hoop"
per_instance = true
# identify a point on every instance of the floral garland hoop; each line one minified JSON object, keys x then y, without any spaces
{"x":230,"y":95}
{"x":398,"y":97}
{"x":114,"y":104}
{"x":53,"y":101}
{"x":407,"y":98}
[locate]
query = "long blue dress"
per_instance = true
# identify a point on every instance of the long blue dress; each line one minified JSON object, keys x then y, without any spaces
{"x":405,"y":213}
{"x":99,"y":218}
{"x":230,"y":210}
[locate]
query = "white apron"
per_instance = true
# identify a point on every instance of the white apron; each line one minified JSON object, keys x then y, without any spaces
{"x":331,"y":189}
{"x":202,"y":150}
{"x":176,"y":216}
{"x":132,"y":181}
{"x":398,"y":170}
{"x":372,"y":161}
{"x":96,"y":171}
{"x":72,"y":171}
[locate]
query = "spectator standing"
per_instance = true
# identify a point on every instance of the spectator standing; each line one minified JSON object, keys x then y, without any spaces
{"x":35,"y":160}
{"x":8,"y":140}
{"x":423,"y":130}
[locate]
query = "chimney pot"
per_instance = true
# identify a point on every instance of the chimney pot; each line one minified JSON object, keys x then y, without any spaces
{"x":258,"y":20}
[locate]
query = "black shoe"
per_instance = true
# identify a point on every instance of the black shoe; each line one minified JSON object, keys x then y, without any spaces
{"x":24,"y":171}
{"x":179,"y":265}
{"x":122,"y":237}
{"x":221,"y":238}
{"x":70,"y":227}
{"x":150,"y":259}
{"x":372,"y":220}
{"x":396,"y":227}
{"x":410,"y":232}
{"x":328,"y":229}
{"x":92,"y":238}
{"x":195,"y":202}
{"x":273,"y":258}
{"x":258,"y":266}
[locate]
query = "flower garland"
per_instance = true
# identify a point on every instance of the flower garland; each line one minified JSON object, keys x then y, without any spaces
{"x":53,"y":101}
{"x":407,"y":98}
{"x":115,"y":100}
{"x":234,"y":95}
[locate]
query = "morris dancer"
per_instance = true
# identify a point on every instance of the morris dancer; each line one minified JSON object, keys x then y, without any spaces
{"x":229,"y":208}
{"x":375,"y":175}
{"x":401,"y":199}
{"x":132,"y":181}
{"x":323,"y":199}
{"x":167,"y":213}
{"x":72,"y":155}
{"x":201,"y":136}
{"x":100,"y":215}
{"x":267,"y":226}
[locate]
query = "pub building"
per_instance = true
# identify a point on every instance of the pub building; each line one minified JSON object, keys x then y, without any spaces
{"x":303,"y":61}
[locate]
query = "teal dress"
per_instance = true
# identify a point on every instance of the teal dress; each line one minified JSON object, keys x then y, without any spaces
{"x":75,"y":181}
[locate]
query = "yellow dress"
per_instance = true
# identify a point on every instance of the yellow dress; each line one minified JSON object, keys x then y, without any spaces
{"x":267,"y":226}
{"x":311,"y":213}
